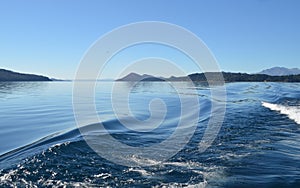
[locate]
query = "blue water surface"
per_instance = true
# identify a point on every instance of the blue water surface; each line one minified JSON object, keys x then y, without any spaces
{"x":41,"y":146}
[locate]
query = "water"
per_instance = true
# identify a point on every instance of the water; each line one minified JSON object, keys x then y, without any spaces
{"x":258,"y":144}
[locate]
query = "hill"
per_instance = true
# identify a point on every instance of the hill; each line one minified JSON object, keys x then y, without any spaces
{"x":134,"y":77}
{"x":244,"y":77}
{"x":280,"y":71}
{"x":216,"y":77}
{"x":9,"y":76}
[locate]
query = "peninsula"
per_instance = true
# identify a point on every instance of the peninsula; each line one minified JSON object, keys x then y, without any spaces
{"x":10,"y":76}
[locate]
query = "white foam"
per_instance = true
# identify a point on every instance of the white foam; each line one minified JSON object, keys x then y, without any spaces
{"x":103,"y":175}
{"x":293,"y":112}
{"x":143,"y":172}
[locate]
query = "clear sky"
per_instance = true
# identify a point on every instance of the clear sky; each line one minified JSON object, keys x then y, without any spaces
{"x":50,"y":37}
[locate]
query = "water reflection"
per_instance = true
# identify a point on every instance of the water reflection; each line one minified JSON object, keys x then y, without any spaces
{"x":14,"y":89}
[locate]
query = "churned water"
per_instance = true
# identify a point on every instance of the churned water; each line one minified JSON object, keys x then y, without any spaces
{"x":258,"y":144}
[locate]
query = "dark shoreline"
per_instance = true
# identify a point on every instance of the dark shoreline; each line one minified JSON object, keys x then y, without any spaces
{"x":215,"y":77}
{"x":10,"y":76}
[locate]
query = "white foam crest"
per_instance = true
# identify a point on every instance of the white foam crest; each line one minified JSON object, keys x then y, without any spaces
{"x":140,"y":160}
{"x":293,"y":112}
{"x":208,"y":172}
{"x":51,"y":148}
{"x":175,"y":185}
{"x":143,"y":172}
{"x":103,"y":175}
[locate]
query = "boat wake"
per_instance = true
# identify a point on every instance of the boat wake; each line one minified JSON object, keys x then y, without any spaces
{"x":293,"y":112}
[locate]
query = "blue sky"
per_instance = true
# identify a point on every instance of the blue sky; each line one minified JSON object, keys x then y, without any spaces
{"x":51,"y":36}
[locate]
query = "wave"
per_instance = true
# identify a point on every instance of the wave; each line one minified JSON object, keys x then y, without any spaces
{"x":64,"y":159}
{"x":293,"y":112}
{"x":113,"y":127}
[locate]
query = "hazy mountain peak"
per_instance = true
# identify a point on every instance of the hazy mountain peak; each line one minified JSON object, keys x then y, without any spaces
{"x":280,"y":71}
{"x":137,"y":77}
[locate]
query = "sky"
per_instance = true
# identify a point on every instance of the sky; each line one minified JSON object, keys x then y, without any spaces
{"x":50,"y":37}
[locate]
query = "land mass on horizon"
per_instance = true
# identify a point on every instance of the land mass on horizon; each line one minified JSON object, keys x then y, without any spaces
{"x":11,"y":76}
{"x":275,"y":74}
{"x":214,"y":77}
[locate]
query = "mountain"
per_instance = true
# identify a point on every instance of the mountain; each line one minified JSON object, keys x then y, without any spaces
{"x":215,"y":78}
{"x":134,"y":77}
{"x":7,"y":76}
{"x":280,"y":71}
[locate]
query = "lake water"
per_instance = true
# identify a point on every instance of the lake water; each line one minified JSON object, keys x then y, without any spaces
{"x":258,"y":144}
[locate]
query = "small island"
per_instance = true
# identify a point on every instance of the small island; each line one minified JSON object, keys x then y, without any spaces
{"x":10,"y":76}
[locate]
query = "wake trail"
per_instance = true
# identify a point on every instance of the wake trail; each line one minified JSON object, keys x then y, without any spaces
{"x":293,"y":112}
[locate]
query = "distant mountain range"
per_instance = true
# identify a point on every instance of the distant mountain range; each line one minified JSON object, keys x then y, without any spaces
{"x":280,"y":71}
{"x":275,"y":74}
{"x":7,"y":75}
{"x":215,"y":77}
